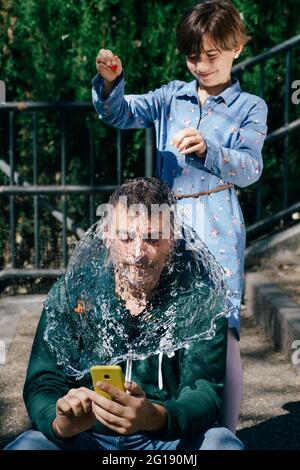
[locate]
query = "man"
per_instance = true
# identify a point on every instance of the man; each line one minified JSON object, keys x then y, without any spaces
{"x":181,"y":413}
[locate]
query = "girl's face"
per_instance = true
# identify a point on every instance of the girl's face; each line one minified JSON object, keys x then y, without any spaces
{"x":213,"y":66}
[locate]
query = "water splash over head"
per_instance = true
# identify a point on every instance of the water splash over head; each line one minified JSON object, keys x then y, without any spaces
{"x":117,"y":303}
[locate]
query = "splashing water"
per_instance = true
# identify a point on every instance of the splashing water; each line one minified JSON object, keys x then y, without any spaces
{"x":88,"y":324}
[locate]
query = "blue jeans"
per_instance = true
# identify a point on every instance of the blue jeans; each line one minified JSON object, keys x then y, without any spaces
{"x":217,"y":438}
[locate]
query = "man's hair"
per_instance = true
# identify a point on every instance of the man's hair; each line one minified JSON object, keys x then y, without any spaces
{"x":217,"y":20}
{"x":145,"y":191}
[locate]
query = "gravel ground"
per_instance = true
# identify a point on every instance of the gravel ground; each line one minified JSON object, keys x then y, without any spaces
{"x":270,"y":417}
{"x":13,"y":415}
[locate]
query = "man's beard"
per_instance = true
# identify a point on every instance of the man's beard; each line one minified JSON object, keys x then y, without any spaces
{"x":138,"y":277}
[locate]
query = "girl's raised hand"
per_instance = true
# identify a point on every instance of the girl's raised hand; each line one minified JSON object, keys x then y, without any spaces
{"x":108,"y":65}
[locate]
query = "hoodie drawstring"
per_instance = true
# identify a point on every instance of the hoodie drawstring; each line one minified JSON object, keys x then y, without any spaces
{"x":160,"y":377}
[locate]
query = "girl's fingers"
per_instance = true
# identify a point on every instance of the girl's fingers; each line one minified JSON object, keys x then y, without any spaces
{"x":199,"y":148}
{"x":115,"y":61}
{"x":106,"y":56}
{"x":178,"y":138}
{"x":103,"y":55}
{"x":187,"y":141}
{"x":101,"y":58}
{"x":116,"y":65}
{"x":110,"y":55}
{"x":101,"y":62}
{"x":107,"y":62}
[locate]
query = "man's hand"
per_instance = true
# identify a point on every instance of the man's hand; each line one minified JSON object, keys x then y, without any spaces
{"x":127,"y":413}
{"x":190,"y":141}
{"x":108,"y":65}
{"x":73,"y":413}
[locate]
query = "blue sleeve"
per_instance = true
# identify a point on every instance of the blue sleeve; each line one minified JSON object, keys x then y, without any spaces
{"x":127,"y":111}
{"x":241,"y":165}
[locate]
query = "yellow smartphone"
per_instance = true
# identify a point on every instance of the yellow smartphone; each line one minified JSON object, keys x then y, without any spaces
{"x":113,"y":375}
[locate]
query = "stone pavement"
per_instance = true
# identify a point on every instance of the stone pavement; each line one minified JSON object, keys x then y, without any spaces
{"x":270,"y":417}
{"x":19,"y":316}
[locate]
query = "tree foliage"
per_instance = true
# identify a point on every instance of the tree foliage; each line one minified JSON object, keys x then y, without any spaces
{"x":47,"y":53}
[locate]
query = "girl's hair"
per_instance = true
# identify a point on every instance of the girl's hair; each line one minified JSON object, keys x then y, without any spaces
{"x":218,"y":20}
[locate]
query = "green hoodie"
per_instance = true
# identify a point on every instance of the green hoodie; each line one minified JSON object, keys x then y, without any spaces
{"x":193,"y":381}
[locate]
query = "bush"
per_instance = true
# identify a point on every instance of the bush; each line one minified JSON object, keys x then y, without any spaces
{"x":48,"y":54}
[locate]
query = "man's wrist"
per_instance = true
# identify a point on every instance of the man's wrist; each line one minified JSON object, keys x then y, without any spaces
{"x":159,"y":418}
{"x":56,"y":429}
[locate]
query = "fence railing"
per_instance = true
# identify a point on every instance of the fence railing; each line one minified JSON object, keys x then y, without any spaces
{"x":17,"y":185}
{"x":284,"y":132}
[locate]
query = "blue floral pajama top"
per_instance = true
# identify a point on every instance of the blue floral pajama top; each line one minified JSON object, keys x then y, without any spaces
{"x":234,"y":127}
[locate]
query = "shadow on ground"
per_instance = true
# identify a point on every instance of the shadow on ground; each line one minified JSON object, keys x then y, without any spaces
{"x":280,"y":432}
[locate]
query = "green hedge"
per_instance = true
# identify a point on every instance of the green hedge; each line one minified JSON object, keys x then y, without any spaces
{"x":48,"y":50}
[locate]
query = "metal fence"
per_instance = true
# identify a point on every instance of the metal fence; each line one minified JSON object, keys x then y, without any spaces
{"x":18,"y":186}
{"x":282,"y":133}
{"x":288,"y":127}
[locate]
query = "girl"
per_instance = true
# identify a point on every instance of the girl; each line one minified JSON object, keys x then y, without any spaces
{"x":209,"y":137}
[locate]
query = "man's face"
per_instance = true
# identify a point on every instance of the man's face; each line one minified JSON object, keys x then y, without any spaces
{"x":140,"y":246}
{"x":213,"y":66}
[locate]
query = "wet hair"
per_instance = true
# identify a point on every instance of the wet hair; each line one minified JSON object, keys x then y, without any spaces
{"x":217,"y":20}
{"x":145,"y":191}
